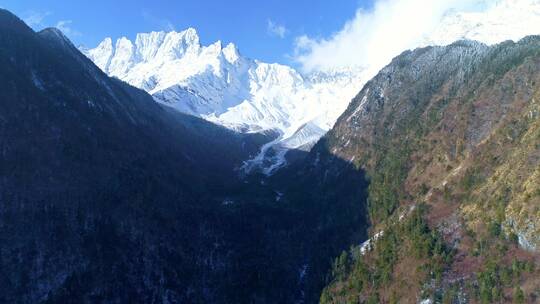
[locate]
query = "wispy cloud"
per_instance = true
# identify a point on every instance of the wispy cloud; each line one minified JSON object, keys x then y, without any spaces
{"x":276,"y":30}
{"x":35,"y":19}
{"x":373,"y":37}
{"x":40,"y":19}
{"x":66,"y":27}
{"x":162,"y":23}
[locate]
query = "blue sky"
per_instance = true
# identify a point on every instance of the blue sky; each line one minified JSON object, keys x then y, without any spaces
{"x":264,"y":29}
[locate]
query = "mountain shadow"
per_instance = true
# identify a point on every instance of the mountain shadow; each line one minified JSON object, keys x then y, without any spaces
{"x":106,"y":196}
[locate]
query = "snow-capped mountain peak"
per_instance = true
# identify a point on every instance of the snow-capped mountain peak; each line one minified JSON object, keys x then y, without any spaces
{"x":102,"y":54}
{"x":231,"y":53}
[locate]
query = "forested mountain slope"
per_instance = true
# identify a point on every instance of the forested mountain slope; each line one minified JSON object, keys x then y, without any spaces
{"x":450,"y":140}
{"x":107,"y":196}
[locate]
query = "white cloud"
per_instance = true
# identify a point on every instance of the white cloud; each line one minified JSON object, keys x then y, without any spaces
{"x":67,"y":29}
{"x":34,"y":19}
{"x":276,"y":30}
{"x":372,"y":38}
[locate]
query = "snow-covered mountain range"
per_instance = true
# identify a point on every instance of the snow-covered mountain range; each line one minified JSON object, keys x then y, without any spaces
{"x":217,"y":83}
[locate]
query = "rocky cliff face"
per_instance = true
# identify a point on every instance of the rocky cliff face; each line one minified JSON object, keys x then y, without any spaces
{"x":455,"y":129}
